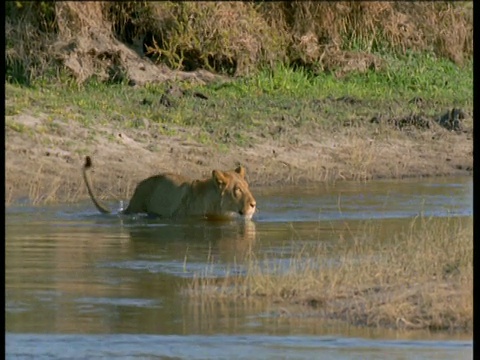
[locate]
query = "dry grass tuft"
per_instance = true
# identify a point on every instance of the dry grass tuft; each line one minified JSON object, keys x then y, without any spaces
{"x":421,"y":278}
{"x":231,"y":37}
{"x":330,"y":33}
{"x":224,"y":37}
{"x":46,"y":186}
{"x":29,"y":29}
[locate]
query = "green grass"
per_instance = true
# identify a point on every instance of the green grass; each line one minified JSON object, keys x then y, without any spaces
{"x":272,"y":98}
{"x":20,"y":128}
{"x":404,"y":78}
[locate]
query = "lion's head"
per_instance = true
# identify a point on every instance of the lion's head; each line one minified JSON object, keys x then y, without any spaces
{"x":236,"y":198}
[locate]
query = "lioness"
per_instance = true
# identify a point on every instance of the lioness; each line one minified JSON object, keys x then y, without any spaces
{"x":223,"y":196}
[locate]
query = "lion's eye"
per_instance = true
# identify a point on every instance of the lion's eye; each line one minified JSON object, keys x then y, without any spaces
{"x":237,"y":192}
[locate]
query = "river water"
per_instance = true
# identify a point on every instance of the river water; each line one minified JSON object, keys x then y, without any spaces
{"x":81,"y":285}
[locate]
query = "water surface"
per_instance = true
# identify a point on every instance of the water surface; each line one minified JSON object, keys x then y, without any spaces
{"x":80,"y":285}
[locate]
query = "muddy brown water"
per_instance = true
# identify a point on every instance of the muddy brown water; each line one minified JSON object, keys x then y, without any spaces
{"x":81,"y":285}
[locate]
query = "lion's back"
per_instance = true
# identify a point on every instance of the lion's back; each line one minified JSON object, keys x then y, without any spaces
{"x":161,"y":195}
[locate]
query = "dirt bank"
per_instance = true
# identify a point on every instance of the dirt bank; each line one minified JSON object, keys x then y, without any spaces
{"x":44,"y":162}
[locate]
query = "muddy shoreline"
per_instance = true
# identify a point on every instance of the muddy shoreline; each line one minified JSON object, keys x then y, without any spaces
{"x":45,"y":166}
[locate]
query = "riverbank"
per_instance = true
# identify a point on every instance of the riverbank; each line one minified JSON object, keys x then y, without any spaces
{"x":284,"y":126}
{"x":46,"y":166}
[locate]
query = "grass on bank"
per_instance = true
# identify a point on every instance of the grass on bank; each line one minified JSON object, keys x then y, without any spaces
{"x":421,"y":278}
{"x":265,"y":102}
{"x":193,"y":35}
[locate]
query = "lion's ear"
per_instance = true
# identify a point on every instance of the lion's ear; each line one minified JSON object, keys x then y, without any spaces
{"x":219,"y":178}
{"x":240,"y":171}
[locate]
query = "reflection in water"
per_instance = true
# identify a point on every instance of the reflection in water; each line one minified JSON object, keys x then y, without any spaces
{"x":71,"y":271}
{"x":228,"y":240}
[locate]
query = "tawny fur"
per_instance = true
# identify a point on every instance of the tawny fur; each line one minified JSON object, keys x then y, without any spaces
{"x":224,"y":195}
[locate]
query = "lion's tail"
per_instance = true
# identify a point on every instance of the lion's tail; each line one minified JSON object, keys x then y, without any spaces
{"x":86,"y":167}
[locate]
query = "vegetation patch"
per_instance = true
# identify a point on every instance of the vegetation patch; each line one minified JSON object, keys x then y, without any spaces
{"x":267,"y":104}
{"x":109,"y":41}
{"x":421,"y":278}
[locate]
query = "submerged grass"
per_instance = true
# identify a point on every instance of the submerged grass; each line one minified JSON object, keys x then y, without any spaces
{"x":421,"y":278}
